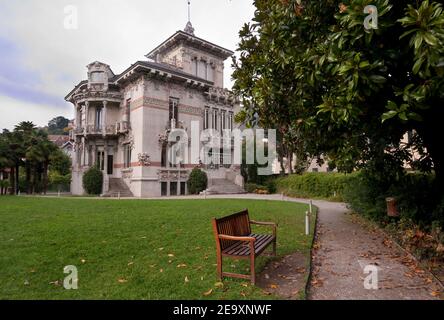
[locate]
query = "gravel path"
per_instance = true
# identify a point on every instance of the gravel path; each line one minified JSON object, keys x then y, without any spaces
{"x":345,"y":247}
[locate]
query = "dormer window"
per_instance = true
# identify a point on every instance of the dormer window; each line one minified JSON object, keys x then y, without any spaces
{"x":98,"y":77}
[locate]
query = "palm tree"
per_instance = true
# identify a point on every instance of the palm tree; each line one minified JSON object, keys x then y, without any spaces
{"x":39,"y":154}
{"x":21,"y":143}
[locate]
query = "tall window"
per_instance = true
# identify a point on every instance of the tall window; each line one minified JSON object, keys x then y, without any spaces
{"x":215,"y":117}
{"x":174,"y":109}
{"x":99,"y":118}
{"x":223,"y":120}
{"x":100,"y":160}
{"x":206,"y":118}
{"x":163,"y":161}
{"x":230,"y":121}
{"x":127,"y":156}
{"x":98,"y":77}
{"x":128,"y":110}
{"x":194,"y":67}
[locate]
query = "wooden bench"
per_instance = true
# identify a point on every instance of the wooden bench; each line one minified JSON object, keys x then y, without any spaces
{"x":234,"y":239}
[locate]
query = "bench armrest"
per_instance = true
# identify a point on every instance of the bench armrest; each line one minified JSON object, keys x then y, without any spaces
{"x":271,"y":224}
{"x":235,"y":238}
{"x":263,"y":223}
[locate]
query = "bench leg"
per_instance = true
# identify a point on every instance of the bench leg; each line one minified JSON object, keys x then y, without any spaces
{"x":219,"y":267}
{"x":252,"y":269}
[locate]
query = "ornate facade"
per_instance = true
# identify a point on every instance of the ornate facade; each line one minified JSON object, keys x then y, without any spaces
{"x":122,"y":120}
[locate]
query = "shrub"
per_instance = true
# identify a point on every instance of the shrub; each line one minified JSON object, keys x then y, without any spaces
{"x":271,"y":186}
{"x":416,"y":197}
{"x":93,"y":181}
{"x":314,"y":185}
{"x":197,"y":182}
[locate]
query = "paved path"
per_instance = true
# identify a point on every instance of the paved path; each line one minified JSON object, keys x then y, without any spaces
{"x":345,"y":247}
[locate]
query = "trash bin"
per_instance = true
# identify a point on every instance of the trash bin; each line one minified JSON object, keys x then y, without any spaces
{"x":392,"y":211}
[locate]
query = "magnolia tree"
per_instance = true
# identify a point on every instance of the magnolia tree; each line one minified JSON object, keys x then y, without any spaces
{"x":342,"y":79}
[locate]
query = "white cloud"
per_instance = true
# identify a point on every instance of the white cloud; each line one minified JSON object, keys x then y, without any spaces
{"x":117,"y":32}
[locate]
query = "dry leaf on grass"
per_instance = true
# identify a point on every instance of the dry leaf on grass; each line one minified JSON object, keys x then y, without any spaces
{"x":435,"y":293}
{"x":218,"y":284}
{"x":182,"y":265}
{"x":130,"y":263}
{"x":186,"y":279}
{"x":206,"y":294}
{"x":122,"y":280}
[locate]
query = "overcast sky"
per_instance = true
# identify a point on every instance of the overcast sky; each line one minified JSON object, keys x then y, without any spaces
{"x":41,"y":60}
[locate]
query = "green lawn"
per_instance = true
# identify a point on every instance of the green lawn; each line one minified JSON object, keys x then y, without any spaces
{"x":129,"y":249}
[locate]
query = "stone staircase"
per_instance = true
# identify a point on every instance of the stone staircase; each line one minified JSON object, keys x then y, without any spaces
{"x":223,"y":186}
{"x":118,"y":186}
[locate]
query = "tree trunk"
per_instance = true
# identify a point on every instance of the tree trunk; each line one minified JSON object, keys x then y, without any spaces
{"x":17,"y":185}
{"x":45,"y":177}
{"x":12,"y":181}
{"x":28,"y":177}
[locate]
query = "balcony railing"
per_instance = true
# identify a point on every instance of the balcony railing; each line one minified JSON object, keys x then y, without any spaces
{"x":122,"y":127}
{"x":92,"y":129}
{"x":173,"y":174}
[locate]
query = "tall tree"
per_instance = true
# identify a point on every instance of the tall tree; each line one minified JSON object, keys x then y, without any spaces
{"x":58,"y":125}
{"x":312,"y":67}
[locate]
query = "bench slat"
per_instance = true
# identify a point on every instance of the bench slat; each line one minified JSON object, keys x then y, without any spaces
{"x":240,"y":248}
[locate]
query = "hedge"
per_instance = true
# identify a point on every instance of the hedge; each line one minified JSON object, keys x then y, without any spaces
{"x":315,"y":185}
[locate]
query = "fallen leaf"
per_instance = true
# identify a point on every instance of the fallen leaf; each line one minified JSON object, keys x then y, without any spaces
{"x":56,"y":283}
{"x":160,"y":249}
{"x":218,"y":284}
{"x":244,"y":284}
{"x":170,"y":255}
{"x":187,"y":280}
{"x":122,"y":280}
{"x":274,"y":286}
{"x":26,"y":283}
{"x":435,"y":293}
{"x":161,"y":270}
{"x":82,"y":260}
{"x":182,"y":265}
{"x":206,"y":294}
{"x":130,"y":263}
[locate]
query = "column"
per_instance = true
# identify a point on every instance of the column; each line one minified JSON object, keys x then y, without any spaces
{"x":104,"y":116}
{"x":77,"y":121}
{"x":85,"y":129}
{"x":105,"y":155}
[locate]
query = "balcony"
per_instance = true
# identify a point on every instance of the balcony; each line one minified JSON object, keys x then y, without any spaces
{"x":95,"y":130}
{"x":122,"y":127}
{"x":173,"y":174}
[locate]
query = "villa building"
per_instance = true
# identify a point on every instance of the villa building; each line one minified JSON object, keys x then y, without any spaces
{"x":122,"y":120}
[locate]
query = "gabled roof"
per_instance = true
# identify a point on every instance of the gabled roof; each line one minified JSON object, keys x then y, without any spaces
{"x":191,"y":40}
{"x":161,"y":68}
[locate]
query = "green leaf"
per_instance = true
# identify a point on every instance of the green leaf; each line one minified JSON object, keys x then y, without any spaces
{"x":377,"y":78}
{"x":391,"y":105}
{"x":389,"y":115}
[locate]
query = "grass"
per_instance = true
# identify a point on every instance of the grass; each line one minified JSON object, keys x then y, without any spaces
{"x":130,"y":249}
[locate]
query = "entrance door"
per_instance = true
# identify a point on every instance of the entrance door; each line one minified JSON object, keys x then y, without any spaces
{"x":110,"y":165}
